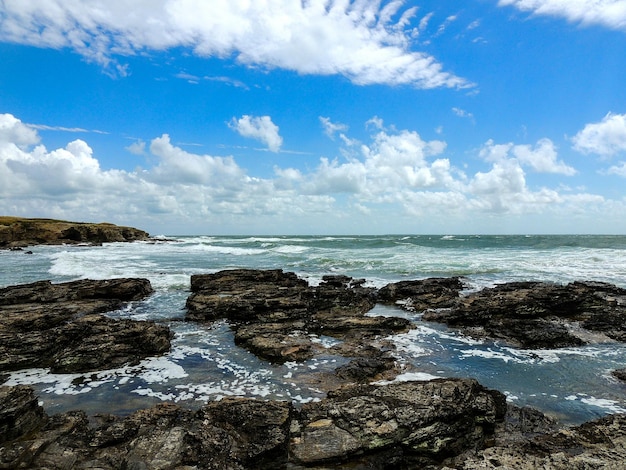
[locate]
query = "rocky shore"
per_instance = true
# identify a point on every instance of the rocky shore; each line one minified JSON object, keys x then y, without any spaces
{"x":62,"y":326}
{"x":19,"y":232}
{"x":367,"y":420}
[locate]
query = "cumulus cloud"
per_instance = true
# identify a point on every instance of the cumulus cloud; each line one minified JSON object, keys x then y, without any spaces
{"x":391,"y":162}
{"x":394,"y":173}
{"x":605,"y":138}
{"x":542,"y":158}
{"x":619,"y":170}
{"x":367,"y":41}
{"x":260,"y":128}
{"x":137,"y":148}
{"x":331,"y":128}
{"x":608,"y":13}
{"x":13,"y":132}
{"x":177,"y":165}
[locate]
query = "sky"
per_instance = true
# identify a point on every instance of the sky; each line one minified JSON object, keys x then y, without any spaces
{"x":316,"y":117}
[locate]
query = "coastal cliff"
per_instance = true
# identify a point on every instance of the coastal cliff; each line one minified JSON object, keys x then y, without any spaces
{"x":16,"y":232}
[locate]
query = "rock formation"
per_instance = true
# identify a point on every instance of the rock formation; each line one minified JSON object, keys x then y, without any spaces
{"x":538,"y":314}
{"x":444,"y":423}
{"x":438,"y":424}
{"x":60,"y":326}
{"x":274,"y":314}
{"x":20,"y":232}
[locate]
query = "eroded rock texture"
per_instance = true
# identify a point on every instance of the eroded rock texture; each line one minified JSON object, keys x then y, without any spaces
{"x":540,"y":315}
{"x":60,"y":326}
{"x":274,"y":313}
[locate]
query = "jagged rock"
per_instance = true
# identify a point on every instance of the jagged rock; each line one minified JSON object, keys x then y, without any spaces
{"x":424,"y":422}
{"x":416,"y":421}
{"x":20,"y":412}
{"x":59,"y":326}
{"x":423,"y":294}
{"x":18,"y":232}
{"x":444,"y":423}
{"x":620,"y":374}
{"x":596,"y":444}
{"x":274,"y":313}
{"x":538,"y":314}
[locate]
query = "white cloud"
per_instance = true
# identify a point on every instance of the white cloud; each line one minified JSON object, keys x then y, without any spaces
{"x":463,"y":114}
{"x":542,"y":158}
{"x":179,"y":166}
{"x":137,"y":148}
{"x":392,"y":162}
{"x":619,"y":170}
{"x":260,"y":128}
{"x":608,"y":13}
{"x":13,"y":132}
{"x":331,"y":128}
{"x":359,"y":39}
{"x":395,"y":174}
{"x":605,"y":138}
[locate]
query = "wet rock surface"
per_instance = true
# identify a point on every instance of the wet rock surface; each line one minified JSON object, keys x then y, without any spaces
{"x":444,"y":423}
{"x":278,"y":316}
{"x":60,"y":326}
{"x":540,"y":315}
{"x":423,"y":294}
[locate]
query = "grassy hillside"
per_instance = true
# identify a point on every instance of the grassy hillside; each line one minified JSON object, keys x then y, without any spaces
{"x":22,"y":231}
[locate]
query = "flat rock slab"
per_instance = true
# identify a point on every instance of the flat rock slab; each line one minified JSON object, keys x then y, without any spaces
{"x":60,"y":326}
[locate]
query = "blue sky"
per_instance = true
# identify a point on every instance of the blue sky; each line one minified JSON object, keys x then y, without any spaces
{"x":316,"y":117}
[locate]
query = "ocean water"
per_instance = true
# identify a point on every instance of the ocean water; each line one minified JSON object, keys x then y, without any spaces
{"x":572,"y":384}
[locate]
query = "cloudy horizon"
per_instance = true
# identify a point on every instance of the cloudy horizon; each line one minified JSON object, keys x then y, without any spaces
{"x":320,"y":117}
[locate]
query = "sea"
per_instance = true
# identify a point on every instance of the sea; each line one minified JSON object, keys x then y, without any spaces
{"x":572,"y":384}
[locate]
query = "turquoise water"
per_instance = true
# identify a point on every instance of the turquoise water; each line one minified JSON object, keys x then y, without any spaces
{"x":574,"y":384}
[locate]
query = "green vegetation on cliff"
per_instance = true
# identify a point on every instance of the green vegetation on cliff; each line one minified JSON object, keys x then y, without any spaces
{"x":20,"y":231}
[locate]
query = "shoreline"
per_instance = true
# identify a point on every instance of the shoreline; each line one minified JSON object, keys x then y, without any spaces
{"x":325,"y":427}
{"x":22,"y":232}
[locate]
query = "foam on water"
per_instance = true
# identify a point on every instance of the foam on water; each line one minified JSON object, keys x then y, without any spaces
{"x":204,"y":363}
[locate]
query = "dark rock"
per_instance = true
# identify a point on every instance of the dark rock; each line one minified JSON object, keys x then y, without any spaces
{"x":365,"y":369}
{"x":414,"y":422}
{"x":620,"y":374}
{"x":423,"y":294}
{"x":20,"y":413}
{"x":444,"y":423}
{"x":259,"y":431}
{"x":540,"y":315}
{"x":59,"y":326}
{"x":274,"y":313}
{"x":596,"y":444}
{"x":424,"y":422}
{"x":94,"y":342}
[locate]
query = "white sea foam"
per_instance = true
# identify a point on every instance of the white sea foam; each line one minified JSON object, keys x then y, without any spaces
{"x":609,"y":405}
{"x":490,"y":354}
{"x":409,"y":377}
{"x":291,"y":249}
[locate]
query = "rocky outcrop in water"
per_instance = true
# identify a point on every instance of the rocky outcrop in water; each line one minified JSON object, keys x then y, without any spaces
{"x":20,"y":232}
{"x":278,"y":316}
{"x":60,"y":326}
{"x":538,"y":314}
{"x":418,"y":295}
